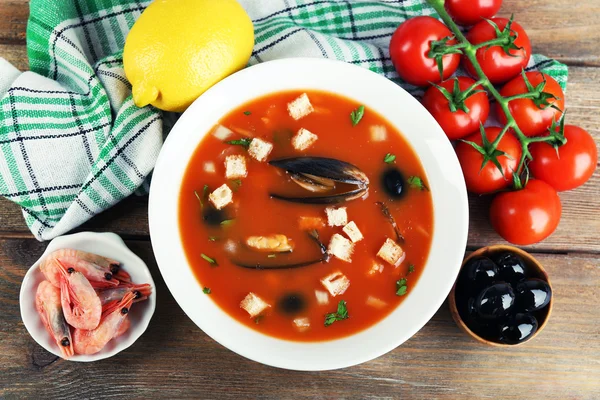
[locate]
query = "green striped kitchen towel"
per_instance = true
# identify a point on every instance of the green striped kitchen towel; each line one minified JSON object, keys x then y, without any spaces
{"x":74,"y":144}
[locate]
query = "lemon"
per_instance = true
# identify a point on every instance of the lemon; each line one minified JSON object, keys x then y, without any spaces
{"x":178,"y":49}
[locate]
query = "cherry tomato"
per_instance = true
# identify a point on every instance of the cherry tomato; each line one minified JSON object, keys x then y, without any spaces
{"x":526,"y":216}
{"x":459,"y":123}
{"x":571,"y":166}
{"x":410,"y":46}
{"x":495,"y":63}
{"x":532,"y":119}
{"x":470,"y":12}
{"x":489,"y":178}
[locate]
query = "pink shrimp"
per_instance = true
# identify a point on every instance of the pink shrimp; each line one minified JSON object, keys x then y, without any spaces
{"x":141,"y":292}
{"x":80,"y":303}
{"x":123,"y":328}
{"x":97,"y":269}
{"x":47,"y":304}
{"x":92,"y":341}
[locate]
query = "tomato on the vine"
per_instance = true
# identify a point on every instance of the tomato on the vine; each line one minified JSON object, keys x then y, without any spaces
{"x":528,"y":215}
{"x":533,"y":116}
{"x":569,"y":166}
{"x":497,"y":65}
{"x":410,"y":47}
{"x":469,"y":108}
{"x":481,"y":173}
{"x":470,"y":12}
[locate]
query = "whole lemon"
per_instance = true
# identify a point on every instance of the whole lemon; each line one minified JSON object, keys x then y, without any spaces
{"x":178,"y":49}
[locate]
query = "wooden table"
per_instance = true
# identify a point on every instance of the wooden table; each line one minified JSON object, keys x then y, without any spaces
{"x":175,"y":359}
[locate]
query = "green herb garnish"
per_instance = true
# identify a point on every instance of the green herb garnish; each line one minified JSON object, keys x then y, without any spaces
{"x":199,"y":199}
{"x":212,"y":238}
{"x":245,"y":142}
{"x":389,"y":158}
{"x":356,"y":115}
{"x":227,"y":222}
{"x":411,"y":268}
{"x":206,"y":290}
{"x":211,"y":261}
{"x":401,"y":287}
{"x":247,"y":112}
{"x":339,"y":315}
{"x":204,"y":195}
{"x":236,"y":183}
{"x":258,"y":319}
{"x":417,"y":183}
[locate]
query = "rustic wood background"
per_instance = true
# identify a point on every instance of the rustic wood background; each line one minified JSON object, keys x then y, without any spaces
{"x":175,"y":359}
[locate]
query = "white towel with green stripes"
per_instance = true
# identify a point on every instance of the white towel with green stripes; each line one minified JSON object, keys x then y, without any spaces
{"x":73,"y":143}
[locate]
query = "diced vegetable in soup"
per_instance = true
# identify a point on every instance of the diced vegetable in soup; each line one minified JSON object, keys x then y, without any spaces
{"x":299,"y":214}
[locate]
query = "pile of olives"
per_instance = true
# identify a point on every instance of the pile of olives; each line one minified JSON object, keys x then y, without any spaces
{"x":499,"y":300}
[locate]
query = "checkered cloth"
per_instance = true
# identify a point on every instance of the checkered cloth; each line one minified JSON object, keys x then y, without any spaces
{"x":74,"y":144}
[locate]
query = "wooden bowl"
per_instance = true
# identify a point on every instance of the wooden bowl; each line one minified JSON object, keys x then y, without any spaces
{"x":535,"y":270}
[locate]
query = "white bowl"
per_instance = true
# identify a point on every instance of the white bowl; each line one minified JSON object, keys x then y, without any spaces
{"x":400,"y":109}
{"x":104,"y":244}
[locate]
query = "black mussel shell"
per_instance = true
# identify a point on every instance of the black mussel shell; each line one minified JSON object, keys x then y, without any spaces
{"x":292,"y":303}
{"x":511,"y":267}
{"x":532,"y":294}
{"x":518,"y":329}
{"x":495,"y":301}
{"x":393,"y":182}
{"x":478,"y":273}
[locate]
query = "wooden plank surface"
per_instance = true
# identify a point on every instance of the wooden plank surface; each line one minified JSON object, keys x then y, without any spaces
{"x":174,"y":359}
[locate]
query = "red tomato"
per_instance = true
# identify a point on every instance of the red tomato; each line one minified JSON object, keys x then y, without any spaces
{"x":495,"y":63}
{"x":572,"y":166}
{"x":457,"y":124}
{"x":526,"y":216}
{"x":532,"y":119}
{"x":489,"y":178}
{"x":409,"y":49}
{"x":470,"y":12}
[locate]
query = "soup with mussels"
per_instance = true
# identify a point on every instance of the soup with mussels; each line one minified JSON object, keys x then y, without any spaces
{"x":306,"y":216}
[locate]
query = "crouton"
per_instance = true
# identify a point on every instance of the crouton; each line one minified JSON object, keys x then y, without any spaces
{"x":341,"y":247}
{"x":303,"y":139}
{"x":235,"y":167}
{"x":221,"y":132}
{"x":391,"y":252}
{"x":353,"y":232}
{"x":376,"y":268}
{"x":309,"y":223}
{"x":300,"y":107}
{"x":259,"y":149}
{"x":221,"y":196}
{"x":336,"y":283}
{"x":378,"y":133}
{"x":376,"y":302}
{"x":336,"y":216}
{"x":302,"y":324}
{"x":322,"y":297}
{"x":209,"y":167}
{"x":254,"y":305}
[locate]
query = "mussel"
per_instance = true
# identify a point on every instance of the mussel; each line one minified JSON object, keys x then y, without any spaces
{"x":320,"y":175}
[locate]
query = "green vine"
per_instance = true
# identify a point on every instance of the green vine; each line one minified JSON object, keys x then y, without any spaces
{"x":540,"y":98}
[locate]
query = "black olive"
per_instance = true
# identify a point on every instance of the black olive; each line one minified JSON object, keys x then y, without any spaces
{"x":532,"y":294}
{"x":518,"y":329}
{"x":293,"y":303}
{"x":212,"y":216}
{"x":393,"y":183}
{"x":495,"y":301}
{"x":511,"y":267}
{"x":484,"y":328}
{"x":478,"y":273}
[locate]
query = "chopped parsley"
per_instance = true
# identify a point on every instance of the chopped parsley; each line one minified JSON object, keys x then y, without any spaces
{"x":247,"y":112}
{"x":245,"y":142}
{"x":417,"y":183}
{"x":389,"y":158}
{"x":411,"y":268}
{"x":340,"y":315}
{"x":211,"y":261}
{"x":258,"y":319}
{"x":227,"y":222}
{"x":236,"y":183}
{"x":212,"y":238}
{"x":401,"y":287}
{"x":356,"y":115}
{"x":206,"y":290}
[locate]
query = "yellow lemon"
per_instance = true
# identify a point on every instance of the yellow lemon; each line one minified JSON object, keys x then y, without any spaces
{"x":178,"y":49}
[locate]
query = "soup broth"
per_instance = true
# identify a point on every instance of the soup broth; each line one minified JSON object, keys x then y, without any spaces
{"x":247,"y":256}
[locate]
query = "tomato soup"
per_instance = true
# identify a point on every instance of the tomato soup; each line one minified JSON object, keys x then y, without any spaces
{"x":306,"y":216}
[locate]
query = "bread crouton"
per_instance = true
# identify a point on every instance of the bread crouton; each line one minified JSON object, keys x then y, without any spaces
{"x":300,"y":107}
{"x":303,"y":139}
{"x":391,"y":252}
{"x":254,"y":305}
{"x":259,"y":149}
{"x":353,"y":232}
{"x":341,"y":247}
{"x":235,"y":167}
{"x":336,"y":283}
{"x":336,"y":216}
{"x":221,"y":196}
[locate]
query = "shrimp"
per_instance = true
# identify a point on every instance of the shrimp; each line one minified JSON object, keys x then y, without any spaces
{"x":141,"y":292}
{"x":47,"y":304}
{"x":123,"y":328}
{"x":97,"y":269}
{"x":92,"y":341}
{"x":81,"y":305}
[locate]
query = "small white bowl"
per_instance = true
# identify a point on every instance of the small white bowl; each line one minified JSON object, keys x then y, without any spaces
{"x":104,"y":244}
{"x":451,"y":214}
